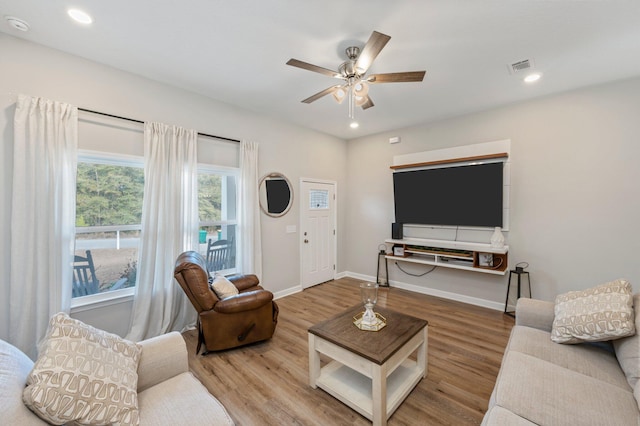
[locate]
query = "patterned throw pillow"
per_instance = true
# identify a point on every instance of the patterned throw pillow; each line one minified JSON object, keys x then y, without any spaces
{"x":85,"y":375}
{"x":223,"y":288}
{"x":604,"y":312}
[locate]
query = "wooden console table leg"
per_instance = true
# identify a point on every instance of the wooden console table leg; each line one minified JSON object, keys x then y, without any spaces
{"x":314,"y":361}
{"x":379,"y":395}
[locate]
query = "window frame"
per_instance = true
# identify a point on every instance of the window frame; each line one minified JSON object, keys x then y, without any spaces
{"x":222,"y":171}
{"x":83,"y":303}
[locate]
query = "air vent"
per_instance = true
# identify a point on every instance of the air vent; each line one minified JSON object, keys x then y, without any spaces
{"x":521,"y":66}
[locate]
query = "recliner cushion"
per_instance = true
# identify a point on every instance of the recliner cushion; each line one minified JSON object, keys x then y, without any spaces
{"x":223,"y":287}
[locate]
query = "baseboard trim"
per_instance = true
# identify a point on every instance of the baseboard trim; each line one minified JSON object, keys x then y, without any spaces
{"x":287,"y":292}
{"x":432,"y":292}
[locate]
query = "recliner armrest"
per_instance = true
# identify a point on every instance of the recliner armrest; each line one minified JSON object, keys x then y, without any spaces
{"x":243,"y":302}
{"x":243,"y":282}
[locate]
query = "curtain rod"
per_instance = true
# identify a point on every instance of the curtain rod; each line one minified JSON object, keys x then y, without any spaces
{"x":142,"y":122}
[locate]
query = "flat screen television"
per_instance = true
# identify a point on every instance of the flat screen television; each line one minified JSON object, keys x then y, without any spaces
{"x":469,"y":195}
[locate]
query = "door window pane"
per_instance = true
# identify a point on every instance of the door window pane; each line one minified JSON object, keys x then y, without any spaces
{"x":318,"y":199}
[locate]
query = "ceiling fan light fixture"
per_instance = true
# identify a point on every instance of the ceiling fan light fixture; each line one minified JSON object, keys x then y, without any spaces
{"x":355,"y":85}
{"x":339,"y":95}
{"x":361,"y":88}
{"x":360,"y":100}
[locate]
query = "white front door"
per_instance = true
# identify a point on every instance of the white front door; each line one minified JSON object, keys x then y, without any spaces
{"x":317,"y":231}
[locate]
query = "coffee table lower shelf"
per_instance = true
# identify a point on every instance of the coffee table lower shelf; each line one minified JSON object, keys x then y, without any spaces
{"x":355,"y":389}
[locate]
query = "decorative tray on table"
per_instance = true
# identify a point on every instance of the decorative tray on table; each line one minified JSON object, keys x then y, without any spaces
{"x":379,"y":324}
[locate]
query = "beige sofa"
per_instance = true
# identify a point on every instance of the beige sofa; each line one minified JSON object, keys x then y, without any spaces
{"x":545,"y":383}
{"x":168,"y":394}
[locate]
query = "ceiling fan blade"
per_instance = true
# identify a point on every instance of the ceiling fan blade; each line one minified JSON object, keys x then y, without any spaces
{"x":321,"y":94}
{"x":314,"y":68}
{"x":368,"y":103}
{"x":397,"y":77}
{"x":370,"y":51}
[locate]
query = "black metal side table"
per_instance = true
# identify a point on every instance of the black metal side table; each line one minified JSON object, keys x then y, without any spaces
{"x":520,"y":272}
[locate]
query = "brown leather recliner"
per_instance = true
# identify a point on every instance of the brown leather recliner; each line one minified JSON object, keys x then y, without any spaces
{"x":250,"y":316}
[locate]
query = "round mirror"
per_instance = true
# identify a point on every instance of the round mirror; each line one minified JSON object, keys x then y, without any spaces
{"x":276,"y":194}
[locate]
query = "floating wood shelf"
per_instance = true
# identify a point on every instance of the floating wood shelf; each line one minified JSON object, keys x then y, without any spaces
{"x":449,"y":254}
{"x":452,"y":160}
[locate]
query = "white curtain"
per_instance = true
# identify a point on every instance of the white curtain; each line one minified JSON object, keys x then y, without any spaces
{"x":42,"y":217}
{"x":249,"y":221}
{"x":169,"y":227}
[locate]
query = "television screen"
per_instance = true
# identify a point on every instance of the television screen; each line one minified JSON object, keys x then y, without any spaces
{"x":456,"y":196}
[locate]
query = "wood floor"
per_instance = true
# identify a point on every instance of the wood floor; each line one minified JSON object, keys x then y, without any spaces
{"x":268,"y":383}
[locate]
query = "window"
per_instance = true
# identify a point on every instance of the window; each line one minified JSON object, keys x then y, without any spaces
{"x":318,"y":199}
{"x":109,"y":192}
{"x":217,"y":205}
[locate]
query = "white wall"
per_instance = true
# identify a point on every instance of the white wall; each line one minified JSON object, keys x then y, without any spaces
{"x":39,"y":71}
{"x":575,"y":198}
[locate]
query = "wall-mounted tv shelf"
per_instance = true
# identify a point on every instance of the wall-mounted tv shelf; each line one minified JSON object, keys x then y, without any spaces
{"x":449,"y":254}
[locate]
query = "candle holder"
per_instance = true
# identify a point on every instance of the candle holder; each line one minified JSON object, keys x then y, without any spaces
{"x":369,"y":320}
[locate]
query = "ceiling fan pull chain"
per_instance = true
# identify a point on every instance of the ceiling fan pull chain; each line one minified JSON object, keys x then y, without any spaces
{"x":352,"y":114}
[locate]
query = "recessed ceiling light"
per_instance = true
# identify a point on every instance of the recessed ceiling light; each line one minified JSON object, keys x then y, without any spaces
{"x":80,"y":16}
{"x":17,"y":23}
{"x":354,"y":125}
{"x":532,"y":78}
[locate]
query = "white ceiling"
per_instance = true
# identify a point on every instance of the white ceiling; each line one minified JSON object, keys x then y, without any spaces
{"x":235,"y":51}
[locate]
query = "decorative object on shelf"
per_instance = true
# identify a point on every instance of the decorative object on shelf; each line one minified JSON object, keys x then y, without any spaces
{"x":497,"y":239}
{"x":382,"y":253}
{"x":398,"y":250}
{"x":369,"y":320}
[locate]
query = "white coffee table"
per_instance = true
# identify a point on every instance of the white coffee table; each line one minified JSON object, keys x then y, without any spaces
{"x":370,"y":371}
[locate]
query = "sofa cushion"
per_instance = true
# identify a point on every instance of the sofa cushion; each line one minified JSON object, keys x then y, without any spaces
{"x":587,"y":359}
{"x":14,"y":368}
{"x":83,"y":374}
{"x":167,"y":403}
{"x":498,"y":416}
{"x":600,"y":313}
{"x":547,"y":394}
{"x":223,"y":287}
{"x":628,"y":349}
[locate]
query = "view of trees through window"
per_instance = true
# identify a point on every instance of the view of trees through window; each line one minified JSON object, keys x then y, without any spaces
{"x":109,"y":216}
{"x":108,"y":195}
{"x":108,"y":224}
{"x":209,"y":197}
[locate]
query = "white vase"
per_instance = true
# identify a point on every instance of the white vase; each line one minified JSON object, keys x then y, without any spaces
{"x":497,"y":239}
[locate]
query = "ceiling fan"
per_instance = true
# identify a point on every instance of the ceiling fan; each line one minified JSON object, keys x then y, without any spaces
{"x":355,"y":86}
